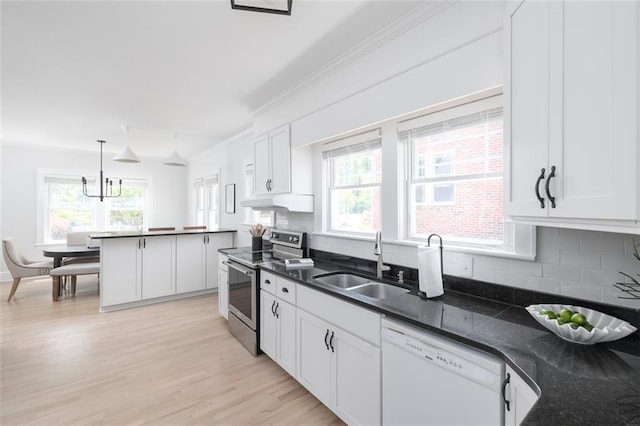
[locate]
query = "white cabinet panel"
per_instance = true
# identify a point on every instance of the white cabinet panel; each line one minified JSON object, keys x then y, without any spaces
{"x":571,"y":91}
{"x":120,"y":271}
{"x":268,"y":325}
{"x":214,"y":242}
{"x":261,"y":165}
{"x":223,"y":287}
{"x":314,"y":356}
{"x":191,"y":255}
{"x":279,"y":141}
{"x":520,"y":396}
{"x":158,"y":266}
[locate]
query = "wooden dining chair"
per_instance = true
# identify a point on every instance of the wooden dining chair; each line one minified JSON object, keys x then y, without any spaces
{"x":162,"y":228}
{"x":195,"y":227}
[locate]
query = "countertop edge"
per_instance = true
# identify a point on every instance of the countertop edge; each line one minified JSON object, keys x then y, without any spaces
{"x":107,"y":235}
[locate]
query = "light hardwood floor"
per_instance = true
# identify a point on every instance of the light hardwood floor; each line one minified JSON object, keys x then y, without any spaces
{"x":173,"y":363}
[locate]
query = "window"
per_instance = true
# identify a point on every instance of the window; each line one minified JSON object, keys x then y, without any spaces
{"x":67,"y":209}
{"x":63,"y":207}
{"x":206,"y":199}
{"x":126,"y":213}
{"x":353,"y":174}
{"x":251,"y":216}
{"x":455,"y":173}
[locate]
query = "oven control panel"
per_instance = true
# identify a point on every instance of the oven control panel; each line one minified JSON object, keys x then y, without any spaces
{"x":288,"y":238}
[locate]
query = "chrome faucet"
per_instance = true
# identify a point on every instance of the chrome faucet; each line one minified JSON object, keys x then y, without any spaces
{"x":377,"y":250}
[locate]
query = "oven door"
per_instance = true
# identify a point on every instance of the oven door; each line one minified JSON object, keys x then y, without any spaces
{"x":242,"y":293}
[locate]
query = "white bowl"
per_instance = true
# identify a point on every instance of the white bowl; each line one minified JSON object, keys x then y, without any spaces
{"x":605,"y":327}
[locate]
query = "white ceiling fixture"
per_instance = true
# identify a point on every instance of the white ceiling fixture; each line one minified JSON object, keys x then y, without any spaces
{"x":126,"y":155}
{"x":175,"y":159}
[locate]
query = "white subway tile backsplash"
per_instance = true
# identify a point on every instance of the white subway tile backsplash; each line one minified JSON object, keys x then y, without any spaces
{"x":580,"y":291}
{"x":545,"y":285}
{"x":561,"y":272}
{"x":599,"y":242}
{"x":580,"y":264}
{"x":526,"y":267}
{"x":558,"y":239}
{"x":581,"y":258}
{"x":627,"y":264}
{"x":614,"y":296}
{"x":599,"y":277}
{"x":547,"y":255}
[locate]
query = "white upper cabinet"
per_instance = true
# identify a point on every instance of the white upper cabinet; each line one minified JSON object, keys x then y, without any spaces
{"x":272,"y":162}
{"x":278,"y":169}
{"x":571,"y":116}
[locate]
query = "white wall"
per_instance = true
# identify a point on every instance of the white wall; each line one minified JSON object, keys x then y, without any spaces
{"x":19,"y":189}
{"x":227,"y":159}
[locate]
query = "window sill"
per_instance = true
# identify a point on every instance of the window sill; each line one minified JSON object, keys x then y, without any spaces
{"x":494,"y":252}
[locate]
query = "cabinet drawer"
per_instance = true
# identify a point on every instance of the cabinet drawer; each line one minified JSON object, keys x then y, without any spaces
{"x":268,"y":282}
{"x":286,"y":290}
{"x":354,"y":319}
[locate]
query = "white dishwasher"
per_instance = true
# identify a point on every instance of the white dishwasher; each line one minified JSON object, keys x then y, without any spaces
{"x":431,"y":380}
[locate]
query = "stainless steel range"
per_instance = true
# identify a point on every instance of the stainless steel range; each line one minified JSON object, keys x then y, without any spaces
{"x":244,"y":283}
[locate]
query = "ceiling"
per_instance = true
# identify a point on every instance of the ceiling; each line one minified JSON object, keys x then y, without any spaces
{"x":163,"y":75}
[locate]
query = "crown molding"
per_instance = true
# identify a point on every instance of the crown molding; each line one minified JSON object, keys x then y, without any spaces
{"x":395,"y":29}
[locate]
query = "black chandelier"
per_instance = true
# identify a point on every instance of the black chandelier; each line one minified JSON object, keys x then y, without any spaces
{"x":106,"y":185}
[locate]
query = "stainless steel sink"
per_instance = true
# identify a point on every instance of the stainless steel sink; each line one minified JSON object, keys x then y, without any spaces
{"x":341,"y":279}
{"x":378,"y":290}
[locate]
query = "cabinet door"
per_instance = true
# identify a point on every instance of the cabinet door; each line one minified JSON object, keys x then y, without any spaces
{"x":261,"y":165}
{"x":357,"y":394}
{"x":520,"y":396}
{"x":268,"y":325}
{"x":596,"y":160}
{"x":190,"y":263}
{"x":223,"y":293}
{"x":158,"y":266}
{"x":120,"y":271}
{"x":286,"y":342}
{"x":280,"y":145}
{"x":527,"y":97}
{"x":213,"y":243}
{"x":314,"y":359}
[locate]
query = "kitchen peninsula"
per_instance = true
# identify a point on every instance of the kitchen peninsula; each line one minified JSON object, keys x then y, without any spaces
{"x":141,"y":268}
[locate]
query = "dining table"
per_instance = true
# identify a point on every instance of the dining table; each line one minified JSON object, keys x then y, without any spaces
{"x":61,"y":251}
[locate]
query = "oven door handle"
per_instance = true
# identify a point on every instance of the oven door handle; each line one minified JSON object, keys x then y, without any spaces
{"x":239,"y":268}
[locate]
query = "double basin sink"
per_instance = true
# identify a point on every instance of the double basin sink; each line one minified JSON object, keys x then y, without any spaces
{"x":360,"y":285}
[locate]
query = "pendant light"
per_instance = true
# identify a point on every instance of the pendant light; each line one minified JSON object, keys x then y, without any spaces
{"x":126,"y":155}
{"x":106,"y":184}
{"x":175,"y":159}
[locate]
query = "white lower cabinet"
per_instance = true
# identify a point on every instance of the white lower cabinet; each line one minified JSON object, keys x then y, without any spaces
{"x":340,"y":369}
{"x":197,"y":260}
{"x":278,"y":331}
{"x":335,"y":362}
{"x":520,"y":397}
{"x":134,"y":269}
{"x":223,"y":286}
{"x":158,"y":266}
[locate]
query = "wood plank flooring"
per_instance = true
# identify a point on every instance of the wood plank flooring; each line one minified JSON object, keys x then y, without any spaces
{"x":174,"y":363}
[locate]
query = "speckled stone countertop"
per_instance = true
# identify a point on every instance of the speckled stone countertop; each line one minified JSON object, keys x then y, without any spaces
{"x":103,"y":235}
{"x":577,"y":384}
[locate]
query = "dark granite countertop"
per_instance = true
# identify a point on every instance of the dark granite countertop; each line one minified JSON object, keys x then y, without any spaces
{"x":577,"y":384}
{"x":137,"y":234}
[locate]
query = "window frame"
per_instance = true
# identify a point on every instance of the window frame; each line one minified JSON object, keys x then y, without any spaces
{"x":100,"y":210}
{"x":332,"y":149}
{"x":450,"y":111}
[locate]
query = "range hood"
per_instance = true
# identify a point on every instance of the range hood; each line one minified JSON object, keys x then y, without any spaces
{"x":288,"y":202}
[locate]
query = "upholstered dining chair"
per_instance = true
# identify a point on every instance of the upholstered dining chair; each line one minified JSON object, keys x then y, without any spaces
{"x":194,"y":227}
{"x":77,"y":238}
{"x":21,"y":267}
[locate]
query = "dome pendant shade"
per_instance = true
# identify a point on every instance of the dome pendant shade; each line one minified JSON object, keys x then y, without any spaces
{"x":175,"y":160}
{"x":126,"y":156}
